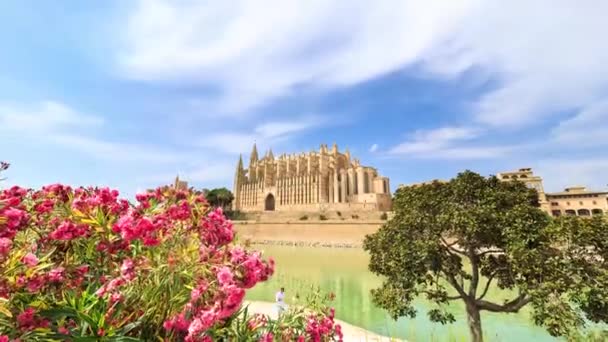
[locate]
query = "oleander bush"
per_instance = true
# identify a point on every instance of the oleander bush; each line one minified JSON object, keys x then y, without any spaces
{"x":84,"y":265}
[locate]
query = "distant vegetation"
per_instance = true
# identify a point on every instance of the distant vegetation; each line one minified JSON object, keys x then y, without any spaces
{"x":322,"y":217}
{"x":304,"y":218}
{"x":219,"y":197}
{"x":384,"y":216}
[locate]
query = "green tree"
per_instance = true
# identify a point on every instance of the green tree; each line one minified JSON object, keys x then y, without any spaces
{"x":453,"y":241}
{"x":220,"y":197}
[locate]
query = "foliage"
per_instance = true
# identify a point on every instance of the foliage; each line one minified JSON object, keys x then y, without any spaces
{"x":312,"y":321}
{"x":384,"y":216}
{"x":303,"y":217}
{"x":235,"y":215}
{"x":83,"y":265}
{"x":220,"y":197}
{"x":453,"y":241}
{"x":322,"y":217}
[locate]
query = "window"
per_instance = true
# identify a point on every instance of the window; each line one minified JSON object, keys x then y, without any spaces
{"x":584,"y":212}
{"x":556,"y":213}
{"x":554,"y":203}
{"x":570,"y":212}
{"x":594,"y":202}
{"x":580,"y":202}
{"x":567,"y":203}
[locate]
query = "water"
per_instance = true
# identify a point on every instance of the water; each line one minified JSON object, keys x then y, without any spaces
{"x":344,"y":272}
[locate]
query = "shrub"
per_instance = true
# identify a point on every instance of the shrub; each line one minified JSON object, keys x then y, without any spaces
{"x":235,"y":215}
{"x":339,"y":213}
{"x":384,"y":216}
{"x":322,"y":217}
{"x":84,"y":264}
{"x":304,"y":218}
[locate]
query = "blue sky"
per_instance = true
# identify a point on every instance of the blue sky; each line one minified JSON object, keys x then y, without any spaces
{"x":130,"y":93}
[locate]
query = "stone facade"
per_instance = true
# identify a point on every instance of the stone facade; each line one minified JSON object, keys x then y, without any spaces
{"x":576,"y":200}
{"x":314,"y":181}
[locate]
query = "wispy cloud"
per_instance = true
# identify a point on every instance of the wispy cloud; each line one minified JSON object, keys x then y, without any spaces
{"x":43,"y":117}
{"x":254,"y":54}
{"x":57,"y":123}
{"x":373,"y":148}
{"x":268,"y":133}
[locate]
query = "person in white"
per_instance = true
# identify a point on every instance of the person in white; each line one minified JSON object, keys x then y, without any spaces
{"x":280,"y":301}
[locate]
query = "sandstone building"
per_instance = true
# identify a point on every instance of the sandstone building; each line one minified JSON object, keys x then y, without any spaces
{"x":314,"y":181}
{"x":576,"y":200}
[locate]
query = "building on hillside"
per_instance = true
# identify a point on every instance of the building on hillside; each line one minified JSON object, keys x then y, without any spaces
{"x":314,"y":181}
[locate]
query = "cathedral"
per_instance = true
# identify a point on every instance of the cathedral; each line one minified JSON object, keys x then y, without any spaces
{"x":314,"y":181}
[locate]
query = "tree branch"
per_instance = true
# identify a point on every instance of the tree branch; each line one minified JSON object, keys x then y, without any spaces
{"x":491,"y":251}
{"x":512,"y":306}
{"x":485,"y":291}
{"x":450,"y":246}
{"x":450,"y":278}
{"x":453,"y":297}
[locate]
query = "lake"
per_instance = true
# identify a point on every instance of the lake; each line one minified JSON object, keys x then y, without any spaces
{"x":344,"y":272}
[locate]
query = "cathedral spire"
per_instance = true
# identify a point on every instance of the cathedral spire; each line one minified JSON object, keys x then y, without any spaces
{"x":270,"y":155}
{"x":254,"y":155}
{"x":239,"y":166}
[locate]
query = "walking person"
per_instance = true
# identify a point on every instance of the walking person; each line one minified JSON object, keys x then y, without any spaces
{"x":280,"y":301}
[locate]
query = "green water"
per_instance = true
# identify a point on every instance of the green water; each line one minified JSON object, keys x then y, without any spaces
{"x":344,"y":272}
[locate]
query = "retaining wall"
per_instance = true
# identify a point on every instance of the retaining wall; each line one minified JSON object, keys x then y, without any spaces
{"x":323,"y":233}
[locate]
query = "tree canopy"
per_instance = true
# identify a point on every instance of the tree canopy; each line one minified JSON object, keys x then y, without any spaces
{"x":455,"y":240}
{"x":219,"y":197}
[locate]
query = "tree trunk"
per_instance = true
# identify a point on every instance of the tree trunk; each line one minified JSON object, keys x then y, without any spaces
{"x":474,"y":320}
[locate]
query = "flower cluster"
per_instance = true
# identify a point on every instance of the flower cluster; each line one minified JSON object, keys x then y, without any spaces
{"x":69,"y":253}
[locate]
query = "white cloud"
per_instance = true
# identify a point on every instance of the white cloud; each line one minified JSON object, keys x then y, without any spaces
{"x":373,"y":148}
{"x":255,"y":52}
{"x":588,"y":128}
{"x":546,"y":55}
{"x":43,"y":117}
{"x":57,"y":123}
{"x":266,"y":134}
{"x":425,"y":141}
{"x":543,"y":59}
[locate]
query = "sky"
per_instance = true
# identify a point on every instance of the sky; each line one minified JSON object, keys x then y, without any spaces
{"x":128,"y":94}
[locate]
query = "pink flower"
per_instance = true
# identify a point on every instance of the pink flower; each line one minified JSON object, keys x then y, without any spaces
{"x":30,"y":259}
{"x":56,"y":274}
{"x":26,"y":318}
{"x":225,"y":276}
{"x":5,"y":246}
{"x":67,"y":230}
{"x":4,"y":338}
{"x":128,"y":269}
{"x":35,"y":284}
{"x":116,"y":297}
{"x":269,"y":337}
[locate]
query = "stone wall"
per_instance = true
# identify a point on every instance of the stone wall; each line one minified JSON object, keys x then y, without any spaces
{"x":324,"y":233}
